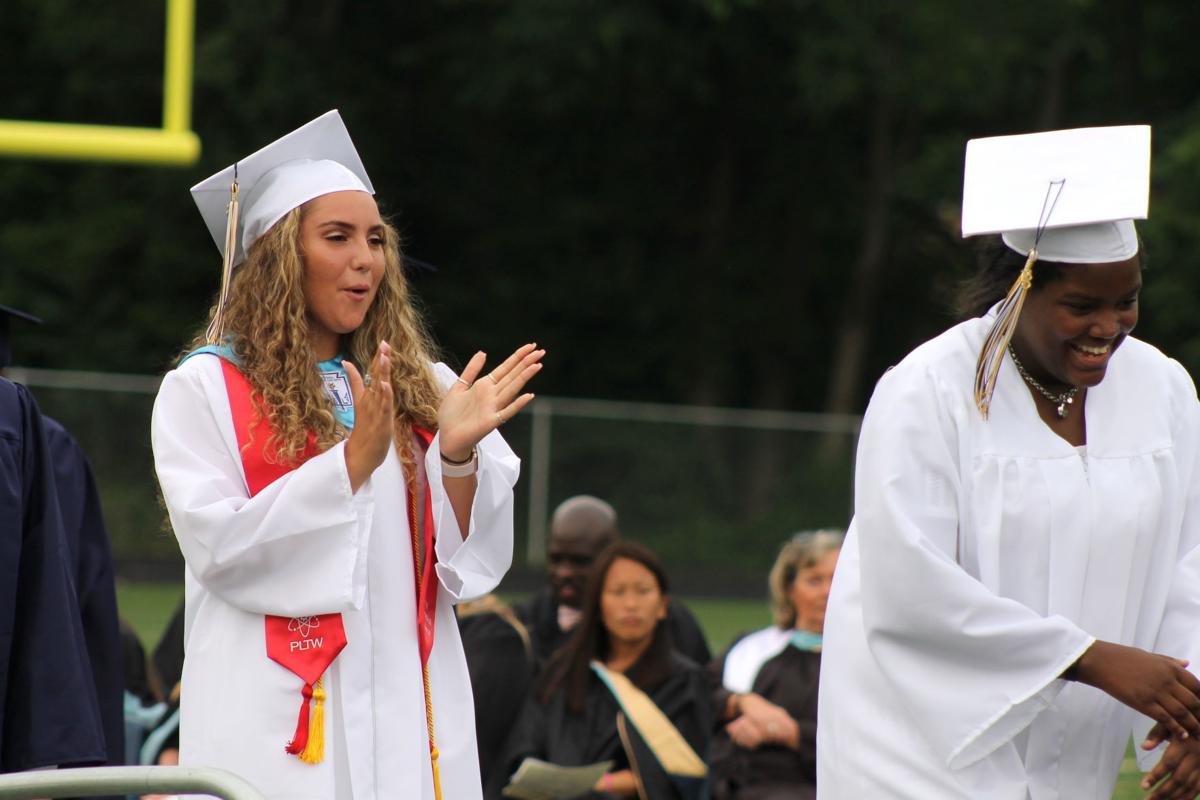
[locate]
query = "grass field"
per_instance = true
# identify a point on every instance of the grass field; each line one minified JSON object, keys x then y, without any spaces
{"x":149,"y":606}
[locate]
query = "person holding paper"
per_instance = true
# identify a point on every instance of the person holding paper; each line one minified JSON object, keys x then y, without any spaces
{"x":1019,"y":590}
{"x":618,"y":692}
{"x":334,"y":492}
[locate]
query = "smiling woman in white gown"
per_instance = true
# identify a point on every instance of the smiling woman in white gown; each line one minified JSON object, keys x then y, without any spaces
{"x":1011,"y":576}
{"x":309,"y":500}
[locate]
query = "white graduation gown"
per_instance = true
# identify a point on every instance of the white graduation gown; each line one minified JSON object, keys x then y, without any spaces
{"x":982,"y":560}
{"x":307,"y":545}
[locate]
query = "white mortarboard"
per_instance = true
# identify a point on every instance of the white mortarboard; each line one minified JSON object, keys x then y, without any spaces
{"x":1068,"y":196}
{"x":241,"y":202}
{"x":315,"y":159}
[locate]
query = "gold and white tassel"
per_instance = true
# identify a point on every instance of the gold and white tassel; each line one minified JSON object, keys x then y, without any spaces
{"x":987,"y":369}
{"x":216,"y":328}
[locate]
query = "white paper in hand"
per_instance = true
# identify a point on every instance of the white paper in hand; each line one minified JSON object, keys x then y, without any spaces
{"x":540,"y":780}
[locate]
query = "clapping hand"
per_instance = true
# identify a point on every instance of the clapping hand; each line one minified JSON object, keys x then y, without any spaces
{"x":475,"y":406}
{"x":374,"y":409}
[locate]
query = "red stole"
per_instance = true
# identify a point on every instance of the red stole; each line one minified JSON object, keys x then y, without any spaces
{"x":306,"y":646}
{"x":426,"y":580}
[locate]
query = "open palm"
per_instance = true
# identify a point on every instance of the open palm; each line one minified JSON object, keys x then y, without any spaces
{"x":475,"y":406}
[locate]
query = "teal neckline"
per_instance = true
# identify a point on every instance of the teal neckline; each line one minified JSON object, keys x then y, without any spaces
{"x":806,"y":640}
{"x":333,"y":376}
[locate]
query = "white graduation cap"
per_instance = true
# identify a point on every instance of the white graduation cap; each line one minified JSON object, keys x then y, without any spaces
{"x":1097,"y":175}
{"x":1067,"y":196}
{"x":241,"y":202}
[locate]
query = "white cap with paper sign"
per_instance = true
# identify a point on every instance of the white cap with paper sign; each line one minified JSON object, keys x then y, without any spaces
{"x":1066,"y":196}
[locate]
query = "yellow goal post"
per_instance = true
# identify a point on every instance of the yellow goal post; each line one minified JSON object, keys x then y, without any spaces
{"x":174,"y":144}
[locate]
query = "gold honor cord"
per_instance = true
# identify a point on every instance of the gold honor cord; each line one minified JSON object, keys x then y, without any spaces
{"x":995,"y":345}
{"x":419,"y":570}
{"x":216,"y":328}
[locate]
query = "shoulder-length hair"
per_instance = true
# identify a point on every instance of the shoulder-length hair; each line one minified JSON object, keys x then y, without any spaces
{"x":996,"y":268}
{"x":801,"y":551}
{"x":267,"y":324}
{"x":570,"y":668}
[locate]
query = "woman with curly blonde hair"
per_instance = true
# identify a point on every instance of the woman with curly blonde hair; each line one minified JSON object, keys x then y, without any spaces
{"x":334,"y":492}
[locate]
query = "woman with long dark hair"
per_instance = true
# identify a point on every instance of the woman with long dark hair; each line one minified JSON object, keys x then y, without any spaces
{"x":578,"y":712}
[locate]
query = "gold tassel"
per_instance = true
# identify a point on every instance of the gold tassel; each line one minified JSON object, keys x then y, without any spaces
{"x":437,"y":776}
{"x":314,"y":750}
{"x":433,"y":751}
{"x":216,"y":328}
{"x":991,"y":356}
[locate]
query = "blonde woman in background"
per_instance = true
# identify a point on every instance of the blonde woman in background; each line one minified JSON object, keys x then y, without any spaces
{"x":764,"y":747}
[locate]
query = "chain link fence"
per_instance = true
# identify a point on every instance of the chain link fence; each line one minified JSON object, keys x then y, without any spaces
{"x":713,"y":490}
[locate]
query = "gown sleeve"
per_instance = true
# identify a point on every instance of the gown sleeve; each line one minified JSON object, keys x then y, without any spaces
{"x":296,"y":548}
{"x":971,"y":668}
{"x":88,"y":542}
{"x":689,"y":706}
{"x":526,"y":739}
{"x":1181,"y":615}
{"x":47,"y":698}
{"x":472,"y":567}
{"x":714,"y":671}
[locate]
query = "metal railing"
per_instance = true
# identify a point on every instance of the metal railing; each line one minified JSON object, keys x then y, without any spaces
{"x":126,"y":780}
{"x":569,"y":445}
{"x":547,"y":408}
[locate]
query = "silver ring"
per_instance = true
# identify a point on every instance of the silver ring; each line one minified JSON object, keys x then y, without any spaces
{"x":367,"y":381}
{"x":464,"y":383}
{"x":493,"y":377}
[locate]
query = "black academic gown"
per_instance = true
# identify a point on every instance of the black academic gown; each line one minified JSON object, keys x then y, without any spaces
{"x":168,"y":654}
{"x":91,"y":554}
{"x":502,"y":670}
{"x":553,"y":733}
{"x":48,"y":705}
{"x":539,"y":614}
{"x":770,"y":772}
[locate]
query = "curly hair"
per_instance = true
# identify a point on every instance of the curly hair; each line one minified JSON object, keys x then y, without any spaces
{"x":801,"y":551}
{"x":268,"y":328}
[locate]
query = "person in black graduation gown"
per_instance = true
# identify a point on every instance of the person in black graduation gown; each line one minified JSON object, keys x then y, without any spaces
{"x":47,"y":695}
{"x":502,"y":666}
{"x":580,"y":528}
{"x":570,"y":719}
{"x":95,"y":583}
{"x":765,"y":683}
{"x":90,"y":555}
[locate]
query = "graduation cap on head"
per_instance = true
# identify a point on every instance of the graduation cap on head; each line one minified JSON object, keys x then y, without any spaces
{"x":241,"y":202}
{"x":1067,"y":196}
{"x":8,"y":314}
